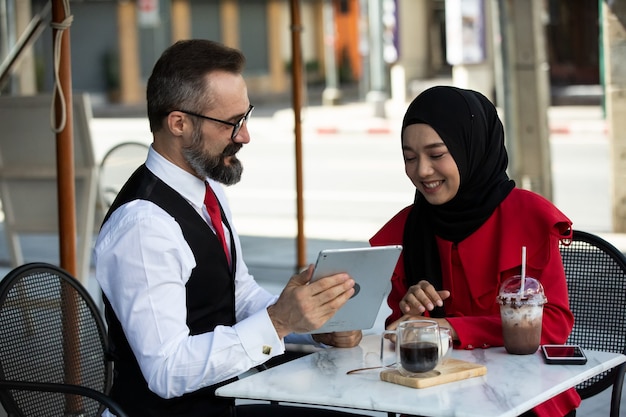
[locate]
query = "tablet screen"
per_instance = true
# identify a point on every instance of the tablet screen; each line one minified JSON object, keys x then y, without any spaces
{"x":371,"y":268}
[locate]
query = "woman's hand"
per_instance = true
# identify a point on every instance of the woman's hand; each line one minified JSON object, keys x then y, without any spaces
{"x":422,"y":297}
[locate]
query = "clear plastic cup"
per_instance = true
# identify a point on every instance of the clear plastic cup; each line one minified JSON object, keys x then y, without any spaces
{"x":522,"y":314}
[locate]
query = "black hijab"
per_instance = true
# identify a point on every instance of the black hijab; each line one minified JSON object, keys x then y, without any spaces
{"x":469,"y":125}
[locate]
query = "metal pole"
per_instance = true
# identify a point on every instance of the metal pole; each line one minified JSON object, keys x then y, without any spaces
{"x":331,"y":94}
{"x":4,"y":30}
{"x":364,"y":49}
{"x":65,"y":144}
{"x":504,"y":84}
{"x":61,"y":20}
{"x":296,"y":67}
{"x":377,"y":94}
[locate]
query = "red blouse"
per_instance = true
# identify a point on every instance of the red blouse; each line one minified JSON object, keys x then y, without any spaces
{"x":473,"y":269}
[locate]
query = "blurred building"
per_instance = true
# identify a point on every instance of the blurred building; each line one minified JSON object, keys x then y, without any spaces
{"x":114,"y":43}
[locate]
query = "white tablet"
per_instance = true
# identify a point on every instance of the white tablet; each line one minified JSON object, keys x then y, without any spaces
{"x":371,"y":268}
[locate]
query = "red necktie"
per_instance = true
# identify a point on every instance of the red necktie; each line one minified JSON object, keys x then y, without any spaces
{"x":213,"y":207}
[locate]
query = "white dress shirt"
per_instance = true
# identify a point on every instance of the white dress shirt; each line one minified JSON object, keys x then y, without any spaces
{"x":142,"y":264}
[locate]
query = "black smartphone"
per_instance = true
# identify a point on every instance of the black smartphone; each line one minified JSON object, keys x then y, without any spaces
{"x":563,"y":354}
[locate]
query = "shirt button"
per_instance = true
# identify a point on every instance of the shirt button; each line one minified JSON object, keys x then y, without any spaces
{"x":469,"y":347}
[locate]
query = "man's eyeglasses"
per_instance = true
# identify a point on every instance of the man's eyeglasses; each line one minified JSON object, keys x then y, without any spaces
{"x":236,"y":126}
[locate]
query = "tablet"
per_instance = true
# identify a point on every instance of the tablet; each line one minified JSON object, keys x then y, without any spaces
{"x":371,"y":268}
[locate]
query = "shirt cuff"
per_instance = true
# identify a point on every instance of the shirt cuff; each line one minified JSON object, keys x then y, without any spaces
{"x":258,"y":337}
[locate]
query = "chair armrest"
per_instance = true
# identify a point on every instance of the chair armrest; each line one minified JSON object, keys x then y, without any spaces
{"x":65,"y":389}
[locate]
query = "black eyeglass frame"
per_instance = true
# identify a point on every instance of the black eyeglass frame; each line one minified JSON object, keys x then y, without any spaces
{"x":236,"y":126}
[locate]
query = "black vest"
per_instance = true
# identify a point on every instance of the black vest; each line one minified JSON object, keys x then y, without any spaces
{"x":210,"y":302}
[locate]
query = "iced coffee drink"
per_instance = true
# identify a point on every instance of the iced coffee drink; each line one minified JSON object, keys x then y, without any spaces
{"x":521,"y":310}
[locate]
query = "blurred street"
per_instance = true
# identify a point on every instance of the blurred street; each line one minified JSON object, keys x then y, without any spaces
{"x":353,"y":173}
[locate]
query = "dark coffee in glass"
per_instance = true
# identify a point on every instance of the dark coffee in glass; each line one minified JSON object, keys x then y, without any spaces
{"x":417,"y":348}
{"x":419,"y":356}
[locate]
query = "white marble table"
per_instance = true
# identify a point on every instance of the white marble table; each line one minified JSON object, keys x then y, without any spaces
{"x":513,"y":384}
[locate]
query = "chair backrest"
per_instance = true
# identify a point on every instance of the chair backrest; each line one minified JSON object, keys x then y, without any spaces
{"x":28,"y":173}
{"x":51,"y":332}
{"x":116,"y":167}
{"x":596,"y":277}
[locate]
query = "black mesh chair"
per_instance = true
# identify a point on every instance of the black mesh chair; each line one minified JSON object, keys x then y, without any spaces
{"x":53,"y":346}
{"x":596,"y":277}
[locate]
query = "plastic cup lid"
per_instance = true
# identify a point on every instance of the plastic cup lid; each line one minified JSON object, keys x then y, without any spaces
{"x":510,"y":291}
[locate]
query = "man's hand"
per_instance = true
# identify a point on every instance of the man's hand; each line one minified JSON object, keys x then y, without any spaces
{"x":339,"y":339}
{"x":421,"y":297}
{"x":301,"y":308}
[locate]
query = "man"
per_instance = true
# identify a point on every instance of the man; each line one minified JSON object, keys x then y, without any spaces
{"x":184,"y":314}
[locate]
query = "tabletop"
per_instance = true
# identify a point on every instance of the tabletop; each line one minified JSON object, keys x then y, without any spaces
{"x":513,"y":383}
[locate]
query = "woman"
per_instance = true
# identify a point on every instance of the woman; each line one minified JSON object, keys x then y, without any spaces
{"x":463,"y":235}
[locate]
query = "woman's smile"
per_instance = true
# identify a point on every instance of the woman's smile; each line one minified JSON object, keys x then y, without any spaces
{"x":429,"y":164}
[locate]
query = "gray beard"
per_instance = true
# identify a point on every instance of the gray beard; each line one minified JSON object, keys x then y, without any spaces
{"x":214,"y":167}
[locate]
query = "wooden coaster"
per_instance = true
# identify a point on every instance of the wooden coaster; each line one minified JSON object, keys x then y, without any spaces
{"x":452,"y":370}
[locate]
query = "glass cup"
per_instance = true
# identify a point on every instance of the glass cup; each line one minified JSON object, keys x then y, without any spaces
{"x":446,"y":344}
{"x":521,"y":312}
{"x":418,"y":347}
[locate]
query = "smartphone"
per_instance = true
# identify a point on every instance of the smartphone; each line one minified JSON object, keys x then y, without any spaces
{"x":563,"y":354}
